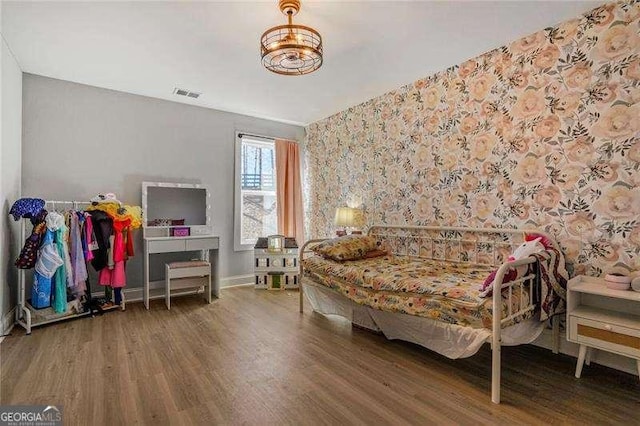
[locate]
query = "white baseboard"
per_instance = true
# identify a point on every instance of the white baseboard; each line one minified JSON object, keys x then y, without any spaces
{"x":237,"y":280}
{"x":608,"y":359}
{"x":8,"y":321}
{"x":156,"y":288}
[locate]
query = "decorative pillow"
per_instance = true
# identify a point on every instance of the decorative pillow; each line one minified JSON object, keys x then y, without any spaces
{"x":349,"y":247}
{"x":375,"y":253}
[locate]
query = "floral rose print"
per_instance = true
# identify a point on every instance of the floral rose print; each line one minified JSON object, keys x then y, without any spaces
{"x":603,"y":16}
{"x":569,"y":176}
{"x":580,"y":150}
{"x":634,"y":152}
{"x":567,"y":103}
{"x":619,"y":202}
{"x":565,"y":33}
{"x":548,"y":126}
{"x":619,"y":121}
{"x":617,"y":42}
{"x":432,"y":98}
{"x":528,"y":43}
{"x":580,"y":224}
{"x":468,"y":124}
{"x":482,"y":146}
{"x":467,"y":68}
{"x":480,"y":87}
{"x":572,"y":247}
{"x":548,"y":197}
{"x":530,"y":170}
{"x":578,"y":76}
{"x":633,"y":70}
{"x":547,"y":57}
{"x":541,"y":133}
{"x":530,"y":103}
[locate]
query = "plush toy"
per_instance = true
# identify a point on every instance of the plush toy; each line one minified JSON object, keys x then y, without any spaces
{"x":532,"y":244}
{"x":527,"y":248}
{"x":544,"y":240}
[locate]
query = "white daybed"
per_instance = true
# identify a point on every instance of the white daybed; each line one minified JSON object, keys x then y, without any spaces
{"x":349,"y":289}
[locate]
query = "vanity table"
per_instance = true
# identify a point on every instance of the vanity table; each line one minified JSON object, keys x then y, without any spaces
{"x":176,"y":218}
{"x":206,"y":245}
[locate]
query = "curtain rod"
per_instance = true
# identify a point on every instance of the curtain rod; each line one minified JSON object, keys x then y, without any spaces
{"x":240,"y":135}
{"x":270,"y":138}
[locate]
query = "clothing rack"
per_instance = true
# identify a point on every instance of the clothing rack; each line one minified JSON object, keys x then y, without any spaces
{"x":23,"y":313}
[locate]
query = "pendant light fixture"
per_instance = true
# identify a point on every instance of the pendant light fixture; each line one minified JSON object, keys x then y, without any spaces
{"x":291,"y":49}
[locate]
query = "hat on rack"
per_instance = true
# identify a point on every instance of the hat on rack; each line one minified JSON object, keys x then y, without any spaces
{"x":26,"y":207}
{"x":109,"y":197}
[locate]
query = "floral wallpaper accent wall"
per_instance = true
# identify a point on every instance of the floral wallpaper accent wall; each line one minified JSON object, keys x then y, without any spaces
{"x":542,"y":133}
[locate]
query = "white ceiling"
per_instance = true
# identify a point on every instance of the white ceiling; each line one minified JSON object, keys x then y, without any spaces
{"x":371,"y":47}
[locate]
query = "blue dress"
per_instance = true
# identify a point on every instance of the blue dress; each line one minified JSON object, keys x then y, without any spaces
{"x":44,"y":269}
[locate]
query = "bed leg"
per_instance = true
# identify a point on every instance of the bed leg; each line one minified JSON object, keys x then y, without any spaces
{"x":496,"y":337}
{"x":301,"y":299}
{"x":555,"y":346}
{"x":495,"y":371}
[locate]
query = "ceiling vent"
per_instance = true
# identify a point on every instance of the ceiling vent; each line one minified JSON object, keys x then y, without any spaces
{"x":186,"y":92}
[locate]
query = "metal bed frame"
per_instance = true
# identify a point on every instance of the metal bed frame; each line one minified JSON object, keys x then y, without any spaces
{"x":465,"y":245}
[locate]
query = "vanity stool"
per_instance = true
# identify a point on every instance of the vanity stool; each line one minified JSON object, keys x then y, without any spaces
{"x":186,"y":277}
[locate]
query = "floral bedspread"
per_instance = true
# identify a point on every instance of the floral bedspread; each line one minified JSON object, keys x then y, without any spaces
{"x":440,"y":290}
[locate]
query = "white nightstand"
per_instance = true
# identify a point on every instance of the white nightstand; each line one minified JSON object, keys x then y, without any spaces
{"x":601,"y":318}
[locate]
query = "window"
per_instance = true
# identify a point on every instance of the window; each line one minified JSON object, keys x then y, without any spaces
{"x":256,"y":214}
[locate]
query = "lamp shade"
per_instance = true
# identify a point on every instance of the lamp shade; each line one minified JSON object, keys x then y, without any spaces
{"x":345,"y":216}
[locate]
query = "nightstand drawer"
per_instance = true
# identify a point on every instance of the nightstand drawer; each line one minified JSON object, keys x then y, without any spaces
{"x":605,"y":335}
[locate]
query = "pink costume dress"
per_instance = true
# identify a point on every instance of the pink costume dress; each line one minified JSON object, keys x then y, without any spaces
{"x":116,"y":277}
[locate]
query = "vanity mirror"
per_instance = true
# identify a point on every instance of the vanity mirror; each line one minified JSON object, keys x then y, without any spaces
{"x":176,"y":209}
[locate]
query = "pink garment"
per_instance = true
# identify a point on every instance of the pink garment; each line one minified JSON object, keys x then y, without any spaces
{"x":116,"y":277}
{"x":88,"y":236}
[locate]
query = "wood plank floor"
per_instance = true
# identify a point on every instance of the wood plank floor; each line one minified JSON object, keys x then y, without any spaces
{"x":251,"y":358}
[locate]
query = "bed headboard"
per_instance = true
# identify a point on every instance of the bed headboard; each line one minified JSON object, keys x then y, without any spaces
{"x":485,"y":246}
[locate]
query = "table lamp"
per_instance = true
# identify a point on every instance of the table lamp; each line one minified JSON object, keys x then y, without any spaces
{"x":346,"y":217}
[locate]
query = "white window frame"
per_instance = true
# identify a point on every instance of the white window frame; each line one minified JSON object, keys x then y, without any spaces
{"x":237,"y":211}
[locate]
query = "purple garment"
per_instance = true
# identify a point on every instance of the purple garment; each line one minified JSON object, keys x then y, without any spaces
{"x":26,"y":207}
{"x":29,"y":253}
{"x":76,"y":253}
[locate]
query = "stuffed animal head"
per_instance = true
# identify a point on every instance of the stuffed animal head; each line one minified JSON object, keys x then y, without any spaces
{"x":544,"y":240}
{"x":526,"y":249}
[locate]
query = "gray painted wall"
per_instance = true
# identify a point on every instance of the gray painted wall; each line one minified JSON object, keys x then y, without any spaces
{"x":10,"y":162}
{"x":81,"y":140}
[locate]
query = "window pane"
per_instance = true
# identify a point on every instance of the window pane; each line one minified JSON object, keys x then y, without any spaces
{"x":259,"y":216}
{"x":257,"y":167}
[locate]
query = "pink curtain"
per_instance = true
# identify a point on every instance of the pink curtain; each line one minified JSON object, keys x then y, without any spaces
{"x":289,"y":190}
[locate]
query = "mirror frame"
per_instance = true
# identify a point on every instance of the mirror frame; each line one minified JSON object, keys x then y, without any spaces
{"x":195,"y":229}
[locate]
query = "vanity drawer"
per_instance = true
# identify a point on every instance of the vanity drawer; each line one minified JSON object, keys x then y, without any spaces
{"x":202,"y":244}
{"x":166,"y":246}
{"x":605,"y":335}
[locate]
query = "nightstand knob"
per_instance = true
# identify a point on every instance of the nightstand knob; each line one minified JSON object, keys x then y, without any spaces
{"x":607,"y":327}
